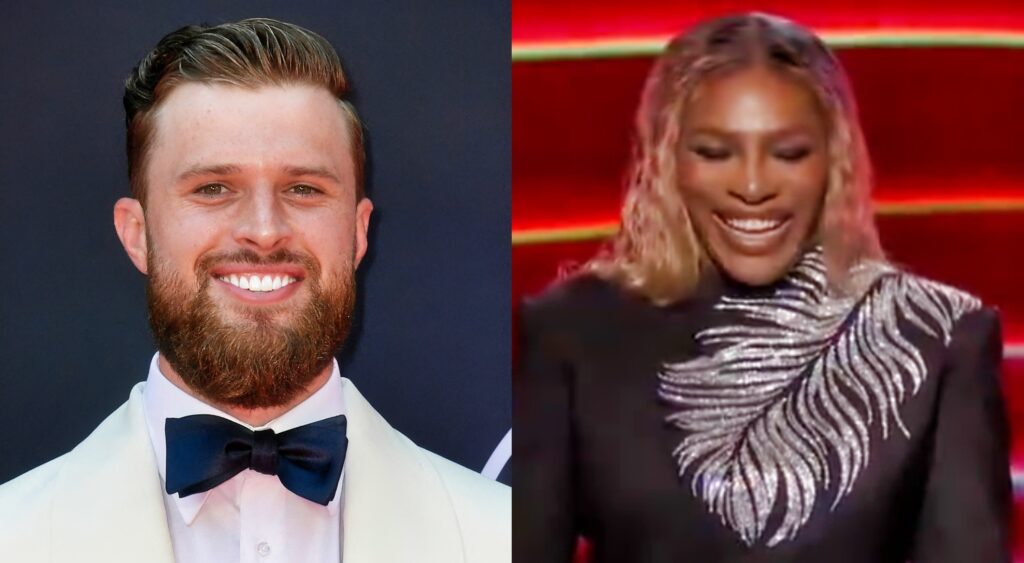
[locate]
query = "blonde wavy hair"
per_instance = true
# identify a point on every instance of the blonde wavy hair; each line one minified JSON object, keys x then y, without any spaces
{"x":656,"y":253}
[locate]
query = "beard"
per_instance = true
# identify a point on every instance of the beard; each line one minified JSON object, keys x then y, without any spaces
{"x":256,"y":361}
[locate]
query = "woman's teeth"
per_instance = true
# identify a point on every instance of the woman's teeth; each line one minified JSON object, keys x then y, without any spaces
{"x":755,"y":226}
{"x":258,"y":283}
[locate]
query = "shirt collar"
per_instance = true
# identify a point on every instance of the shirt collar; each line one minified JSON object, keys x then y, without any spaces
{"x":161,"y":400}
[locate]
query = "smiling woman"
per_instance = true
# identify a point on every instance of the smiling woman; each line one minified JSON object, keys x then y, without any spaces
{"x":751,"y":118}
{"x":752,"y":169}
{"x":739,"y":374}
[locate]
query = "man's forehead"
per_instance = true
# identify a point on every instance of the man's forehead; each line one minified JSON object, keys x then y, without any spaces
{"x":223,"y":108}
{"x":291,"y":127}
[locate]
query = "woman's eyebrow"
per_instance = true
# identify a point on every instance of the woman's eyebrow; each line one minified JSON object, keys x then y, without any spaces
{"x":715,"y":131}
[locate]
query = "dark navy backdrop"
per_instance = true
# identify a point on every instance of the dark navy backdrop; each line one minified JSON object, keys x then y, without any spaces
{"x":431,"y":80}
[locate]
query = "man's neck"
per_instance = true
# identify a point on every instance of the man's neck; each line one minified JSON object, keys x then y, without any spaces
{"x":253,"y":417}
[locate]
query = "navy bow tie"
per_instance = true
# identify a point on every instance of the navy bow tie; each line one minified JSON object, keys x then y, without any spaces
{"x":204,"y":451}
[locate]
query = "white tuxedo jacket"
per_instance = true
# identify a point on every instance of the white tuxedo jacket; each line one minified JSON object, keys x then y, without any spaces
{"x":103,"y":503}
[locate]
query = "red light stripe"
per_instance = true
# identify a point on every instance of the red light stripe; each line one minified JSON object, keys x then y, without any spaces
{"x":535,"y":20}
{"x":575,"y":231}
{"x":645,"y":45}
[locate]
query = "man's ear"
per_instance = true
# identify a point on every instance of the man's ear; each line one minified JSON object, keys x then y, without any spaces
{"x":363,"y":210}
{"x":130,"y":224}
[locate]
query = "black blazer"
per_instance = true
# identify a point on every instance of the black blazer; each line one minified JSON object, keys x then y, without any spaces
{"x":887,"y":443}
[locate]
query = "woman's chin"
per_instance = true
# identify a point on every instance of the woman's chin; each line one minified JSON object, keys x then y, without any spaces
{"x":756,"y":271}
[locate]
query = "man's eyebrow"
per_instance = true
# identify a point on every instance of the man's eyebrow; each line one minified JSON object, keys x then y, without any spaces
{"x":209,"y":170}
{"x":317,"y":171}
{"x":230,"y":169}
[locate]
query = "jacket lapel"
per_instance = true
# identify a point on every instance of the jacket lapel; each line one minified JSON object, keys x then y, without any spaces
{"x":395,"y":506}
{"x":108,"y":503}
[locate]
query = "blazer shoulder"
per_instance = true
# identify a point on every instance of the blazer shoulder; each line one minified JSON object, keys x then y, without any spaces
{"x":965,"y":307}
{"x":964,"y":321}
{"x":25,"y":512}
{"x":483,"y":508}
{"x":937,"y":286}
{"x":582,"y":290}
{"x":30,"y":488}
{"x":575,"y":303}
{"x":99,"y":502}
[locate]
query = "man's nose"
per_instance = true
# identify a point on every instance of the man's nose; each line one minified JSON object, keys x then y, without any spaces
{"x":262,"y":224}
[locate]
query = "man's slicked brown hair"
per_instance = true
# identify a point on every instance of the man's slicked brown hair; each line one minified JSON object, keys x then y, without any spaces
{"x":250,"y":53}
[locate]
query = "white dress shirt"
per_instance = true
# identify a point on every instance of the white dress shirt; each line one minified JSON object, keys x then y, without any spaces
{"x":250,"y":518}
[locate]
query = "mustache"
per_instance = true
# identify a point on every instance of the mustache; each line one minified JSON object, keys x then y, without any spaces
{"x":246,"y":256}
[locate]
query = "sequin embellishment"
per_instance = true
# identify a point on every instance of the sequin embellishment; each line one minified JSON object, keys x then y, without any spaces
{"x":798,"y":381}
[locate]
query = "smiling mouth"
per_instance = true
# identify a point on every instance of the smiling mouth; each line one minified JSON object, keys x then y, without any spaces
{"x":756,"y":230}
{"x":257,"y":283}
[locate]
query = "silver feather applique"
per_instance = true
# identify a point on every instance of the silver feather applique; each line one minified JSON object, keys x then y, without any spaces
{"x":799,"y":381}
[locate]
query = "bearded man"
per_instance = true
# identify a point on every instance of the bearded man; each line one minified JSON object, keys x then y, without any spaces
{"x":248,"y":218}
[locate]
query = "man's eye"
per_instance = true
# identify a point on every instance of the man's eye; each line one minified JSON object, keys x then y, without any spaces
{"x":303,"y":189}
{"x":711,"y":153}
{"x":211,"y":189}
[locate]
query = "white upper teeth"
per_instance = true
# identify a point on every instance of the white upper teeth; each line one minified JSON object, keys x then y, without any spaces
{"x":754,"y":225}
{"x":254,"y":282}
